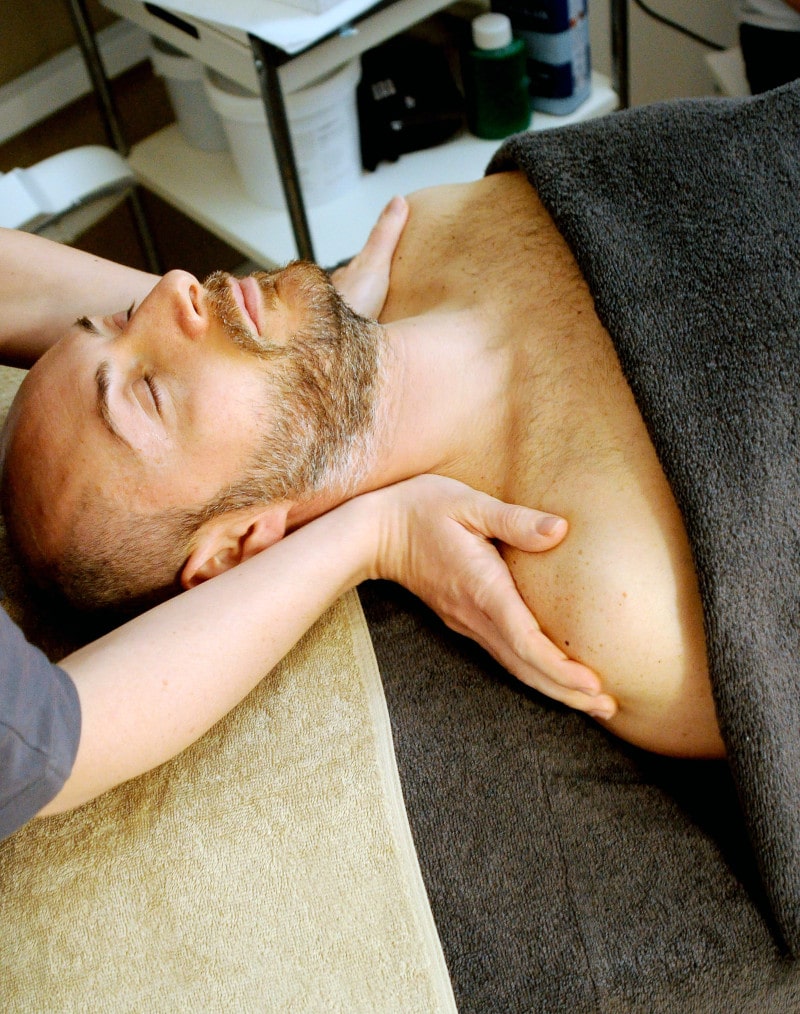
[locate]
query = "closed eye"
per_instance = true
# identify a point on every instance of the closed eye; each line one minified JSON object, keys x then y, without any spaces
{"x":123,"y":317}
{"x":87,"y":325}
{"x":154,"y":391}
{"x":119,"y":319}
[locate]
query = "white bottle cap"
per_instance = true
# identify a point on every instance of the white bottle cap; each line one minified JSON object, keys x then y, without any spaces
{"x":491,"y":31}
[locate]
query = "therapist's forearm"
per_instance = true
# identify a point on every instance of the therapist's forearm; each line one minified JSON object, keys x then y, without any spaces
{"x":152,"y":687}
{"x":155,"y":685}
{"x":45,"y":286}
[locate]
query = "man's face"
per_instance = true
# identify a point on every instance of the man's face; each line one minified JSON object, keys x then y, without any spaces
{"x":156,"y":408}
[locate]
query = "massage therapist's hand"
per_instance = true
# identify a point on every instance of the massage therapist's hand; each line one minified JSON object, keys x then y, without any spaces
{"x":436,"y":541}
{"x":364,"y":282}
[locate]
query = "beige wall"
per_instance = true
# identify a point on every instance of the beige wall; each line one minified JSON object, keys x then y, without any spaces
{"x":663,"y":63}
{"x":34,"y":30}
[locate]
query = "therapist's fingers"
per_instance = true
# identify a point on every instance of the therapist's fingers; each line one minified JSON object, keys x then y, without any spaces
{"x":364,"y":282}
{"x":438,"y":539}
{"x":495,"y":615}
{"x":511,"y":634}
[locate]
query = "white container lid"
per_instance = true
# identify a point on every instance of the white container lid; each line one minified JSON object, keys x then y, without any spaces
{"x":491,"y":31}
{"x":231,"y":100}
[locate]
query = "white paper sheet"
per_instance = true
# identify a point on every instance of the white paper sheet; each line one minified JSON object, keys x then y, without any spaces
{"x":288,"y":28}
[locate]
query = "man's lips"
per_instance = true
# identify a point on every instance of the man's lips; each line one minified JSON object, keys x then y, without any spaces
{"x":248,"y":298}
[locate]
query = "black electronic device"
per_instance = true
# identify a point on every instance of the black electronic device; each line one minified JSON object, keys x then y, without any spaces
{"x":407,"y":100}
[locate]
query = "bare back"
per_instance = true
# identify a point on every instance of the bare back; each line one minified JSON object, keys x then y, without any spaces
{"x":620,"y":593}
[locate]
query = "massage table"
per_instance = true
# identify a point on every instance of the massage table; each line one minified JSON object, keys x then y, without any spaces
{"x":390,"y":822}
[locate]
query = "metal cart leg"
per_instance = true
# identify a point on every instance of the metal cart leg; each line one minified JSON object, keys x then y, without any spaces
{"x":266,"y":64}
{"x":620,"y":51}
{"x":111,"y":122}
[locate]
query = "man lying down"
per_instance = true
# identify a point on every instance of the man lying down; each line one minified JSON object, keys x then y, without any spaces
{"x":605,"y":327}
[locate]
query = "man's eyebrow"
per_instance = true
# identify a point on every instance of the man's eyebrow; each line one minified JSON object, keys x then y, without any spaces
{"x":86,"y":325}
{"x":103,"y":382}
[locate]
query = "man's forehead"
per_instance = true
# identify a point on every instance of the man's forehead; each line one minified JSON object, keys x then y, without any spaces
{"x":52,"y":385}
{"x":39,"y":475}
{"x":51,"y":416}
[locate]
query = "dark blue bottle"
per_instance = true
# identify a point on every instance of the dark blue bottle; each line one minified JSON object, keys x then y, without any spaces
{"x":556,"y":37}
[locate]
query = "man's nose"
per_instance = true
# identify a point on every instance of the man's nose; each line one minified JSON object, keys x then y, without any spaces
{"x":188,"y":302}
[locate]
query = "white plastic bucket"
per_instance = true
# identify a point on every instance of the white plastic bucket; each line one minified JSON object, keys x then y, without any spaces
{"x":197,"y":120}
{"x":323,"y":122}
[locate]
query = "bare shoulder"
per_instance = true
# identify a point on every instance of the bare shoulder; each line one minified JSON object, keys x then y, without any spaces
{"x":621,"y":595}
{"x":488,"y":205}
{"x":460,"y":234}
{"x":510,"y":184}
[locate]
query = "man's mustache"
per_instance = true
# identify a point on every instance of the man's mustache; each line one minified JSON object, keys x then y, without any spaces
{"x":223,"y":305}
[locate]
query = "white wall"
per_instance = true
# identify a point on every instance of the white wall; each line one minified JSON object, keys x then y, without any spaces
{"x":663,"y":63}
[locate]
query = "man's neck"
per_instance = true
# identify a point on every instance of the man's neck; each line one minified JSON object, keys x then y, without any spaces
{"x":446,"y":391}
{"x":441,"y":408}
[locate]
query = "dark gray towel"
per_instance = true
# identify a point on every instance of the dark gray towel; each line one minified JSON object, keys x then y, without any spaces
{"x":566,"y":870}
{"x":685,"y":220}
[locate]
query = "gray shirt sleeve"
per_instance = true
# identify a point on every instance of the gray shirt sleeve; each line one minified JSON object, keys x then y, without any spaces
{"x":40,"y":725}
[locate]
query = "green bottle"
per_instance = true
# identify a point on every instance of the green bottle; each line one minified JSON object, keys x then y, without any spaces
{"x":495,"y":79}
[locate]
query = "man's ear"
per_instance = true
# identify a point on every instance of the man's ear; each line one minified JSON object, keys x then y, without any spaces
{"x":232,"y":538}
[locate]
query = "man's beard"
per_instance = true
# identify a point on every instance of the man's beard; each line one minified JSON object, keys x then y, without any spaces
{"x":323,"y":383}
